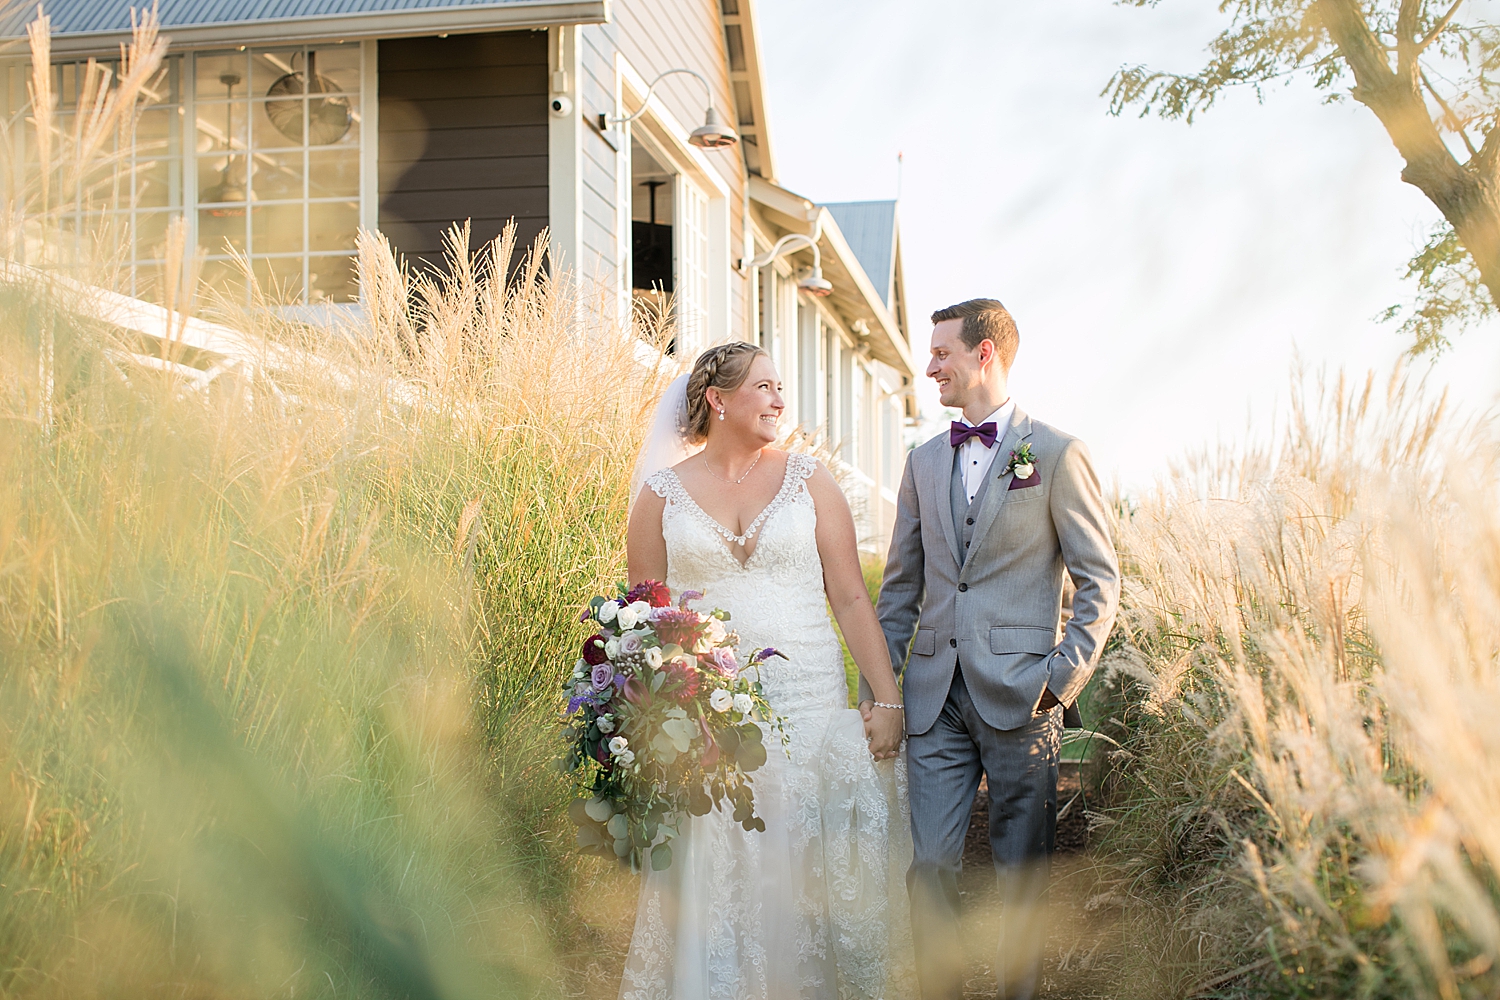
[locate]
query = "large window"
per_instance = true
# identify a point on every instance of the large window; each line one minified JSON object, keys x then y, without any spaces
{"x":277,"y":170}
{"x":118,"y":209}
{"x":259,"y":149}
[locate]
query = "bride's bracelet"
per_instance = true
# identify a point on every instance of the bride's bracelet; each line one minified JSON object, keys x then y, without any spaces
{"x":885,"y":704}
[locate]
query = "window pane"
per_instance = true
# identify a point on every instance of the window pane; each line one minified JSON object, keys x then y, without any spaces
{"x":279,"y":124}
{"x":333,"y":172}
{"x":153,"y":132}
{"x":222,"y":126}
{"x":331,"y":122}
{"x":220,"y":76}
{"x":333,"y":225}
{"x":279,"y":278}
{"x":153,"y":183}
{"x":336,"y":68}
{"x":277,"y":176}
{"x":151,"y":235}
{"x":280,"y":69}
{"x":276,"y":228}
{"x":221,"y":178}
{"x":332,"y":279}
{"x":219,"y":229}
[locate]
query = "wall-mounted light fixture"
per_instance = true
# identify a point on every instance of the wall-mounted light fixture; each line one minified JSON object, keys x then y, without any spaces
{"x":813,"y":281}
{"x":712,"y":134}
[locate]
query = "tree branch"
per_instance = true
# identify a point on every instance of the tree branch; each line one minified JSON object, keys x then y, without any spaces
{"x":1453,"y":120}
{"x":1408,"y":19}
{"x":1440,"y":27}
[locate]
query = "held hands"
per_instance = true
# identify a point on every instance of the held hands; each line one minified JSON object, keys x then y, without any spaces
{"x":884,"y":729}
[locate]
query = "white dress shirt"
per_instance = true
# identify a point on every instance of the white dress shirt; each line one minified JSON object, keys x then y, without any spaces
{"x":976,"y":458}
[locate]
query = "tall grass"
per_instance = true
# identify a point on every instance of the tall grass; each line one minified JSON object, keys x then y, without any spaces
{"x":1306,"y":691}
{"x":277,"y":659}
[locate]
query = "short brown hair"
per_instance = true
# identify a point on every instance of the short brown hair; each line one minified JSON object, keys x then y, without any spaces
{"x":724,"y":368}
{"x":985,"y":319}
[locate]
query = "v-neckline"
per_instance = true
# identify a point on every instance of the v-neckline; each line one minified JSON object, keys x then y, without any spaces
{"x":757,"y":524}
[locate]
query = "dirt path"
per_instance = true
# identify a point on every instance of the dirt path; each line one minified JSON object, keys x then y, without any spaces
{"x":1077,"y":940}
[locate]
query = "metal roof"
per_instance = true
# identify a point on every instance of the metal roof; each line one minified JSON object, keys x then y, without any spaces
{"x":870,"y":228}
{"x":242,"y":21}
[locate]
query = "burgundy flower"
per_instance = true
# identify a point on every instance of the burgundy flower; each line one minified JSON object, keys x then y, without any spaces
{"x":653,"y":592}
{"x":685,"y":672}
{"x":593,"y":650}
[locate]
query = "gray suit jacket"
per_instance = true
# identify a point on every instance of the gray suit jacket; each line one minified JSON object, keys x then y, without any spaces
{"x":997,"y":611}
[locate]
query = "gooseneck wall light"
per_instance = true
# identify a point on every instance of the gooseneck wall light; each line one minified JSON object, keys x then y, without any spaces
{"x":813,"y":282}
{"x":712,"y":134}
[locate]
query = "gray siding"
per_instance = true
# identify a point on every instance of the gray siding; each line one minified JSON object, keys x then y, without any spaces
{"x":463,"y":135}
{"x":656,"y":35}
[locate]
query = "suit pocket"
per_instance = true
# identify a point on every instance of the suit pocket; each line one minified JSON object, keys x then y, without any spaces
{"x":1021,"y":639}
{"x":926,"y":642}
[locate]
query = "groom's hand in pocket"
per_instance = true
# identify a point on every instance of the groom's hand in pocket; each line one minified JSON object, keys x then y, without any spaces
{"x":1048,"y":703}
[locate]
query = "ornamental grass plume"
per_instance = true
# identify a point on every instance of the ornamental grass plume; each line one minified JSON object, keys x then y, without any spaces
{"x":1305,"y":685}
{"x":278,"y":646}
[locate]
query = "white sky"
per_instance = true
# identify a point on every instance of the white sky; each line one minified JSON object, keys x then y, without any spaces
{"x":1163,"y":276}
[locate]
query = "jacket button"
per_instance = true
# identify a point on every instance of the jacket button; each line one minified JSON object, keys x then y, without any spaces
{"x":953,"y":643}
{"x":969,"y":520}
{"x":963,"y":587}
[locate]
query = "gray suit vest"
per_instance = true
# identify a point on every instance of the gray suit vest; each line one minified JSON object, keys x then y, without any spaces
{"x":964,"y":511}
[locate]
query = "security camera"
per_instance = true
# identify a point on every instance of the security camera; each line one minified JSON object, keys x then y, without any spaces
{"x":562,"y":106}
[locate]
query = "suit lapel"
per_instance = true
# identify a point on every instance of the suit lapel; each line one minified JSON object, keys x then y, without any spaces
{"x":1019,"y":430}
{"x":940,"y":475}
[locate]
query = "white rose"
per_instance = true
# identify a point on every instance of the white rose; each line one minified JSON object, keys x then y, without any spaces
{"x":642,"y":610}
{"x":1024,"y":471}
{"x":743,"y":703}
{"x":612,"y":648}
{"x":653,"y":657}
{"x":618,"y":745}
{"x":605,"y":723}
{"x":626,"y":757}
{"x":716,"y":631}
{"x":626,"y":617}
{"x":607,"y":611}
{"x":720,"y":700}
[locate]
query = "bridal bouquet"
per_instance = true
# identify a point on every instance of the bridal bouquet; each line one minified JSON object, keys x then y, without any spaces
{"x":661,"y":721}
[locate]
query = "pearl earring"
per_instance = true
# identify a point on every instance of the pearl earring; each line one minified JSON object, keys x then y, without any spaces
{"x":721,"y":414}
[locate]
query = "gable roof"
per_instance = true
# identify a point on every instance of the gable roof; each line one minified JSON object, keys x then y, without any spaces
{"x":870,"y":228}
{"x":92,"y":24}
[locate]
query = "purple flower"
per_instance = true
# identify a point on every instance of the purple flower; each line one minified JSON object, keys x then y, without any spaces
{"x":763,"y":655}
{"x":724,"y":661}
{"x":578,"y":701}
{"x":631,"y":643}
{"x":602,"y":676}
{"x":688,"y":595}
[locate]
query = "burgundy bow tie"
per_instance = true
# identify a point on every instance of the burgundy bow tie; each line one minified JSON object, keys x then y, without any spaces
{"x":959,"y":433}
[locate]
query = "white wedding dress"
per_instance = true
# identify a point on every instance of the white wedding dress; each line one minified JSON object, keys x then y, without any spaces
{"x":815,"y":907}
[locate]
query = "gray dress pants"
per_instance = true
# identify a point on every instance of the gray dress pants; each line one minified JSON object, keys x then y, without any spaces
{"x":943,"y":768}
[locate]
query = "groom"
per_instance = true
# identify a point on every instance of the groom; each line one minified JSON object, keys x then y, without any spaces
{"x":990,"y":515}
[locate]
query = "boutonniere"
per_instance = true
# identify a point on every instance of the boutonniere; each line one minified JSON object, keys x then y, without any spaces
{"x":1022,"y":461}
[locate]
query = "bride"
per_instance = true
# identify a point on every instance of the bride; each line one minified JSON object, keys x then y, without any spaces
{"x":814,"y":907}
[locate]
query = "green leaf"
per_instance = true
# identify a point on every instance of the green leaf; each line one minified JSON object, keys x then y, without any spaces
{"x":661,"y":857}
{"x":751,"y":756}
{"x":750,"y":733}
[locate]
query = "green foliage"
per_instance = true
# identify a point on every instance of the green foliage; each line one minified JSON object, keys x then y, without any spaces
{"x":1450,"y":295}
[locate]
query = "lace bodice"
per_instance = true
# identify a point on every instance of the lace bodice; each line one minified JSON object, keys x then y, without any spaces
{"x":776,"y":597}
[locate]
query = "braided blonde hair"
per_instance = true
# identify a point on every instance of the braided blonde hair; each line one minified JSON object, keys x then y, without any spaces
{"x":724,"y":368}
